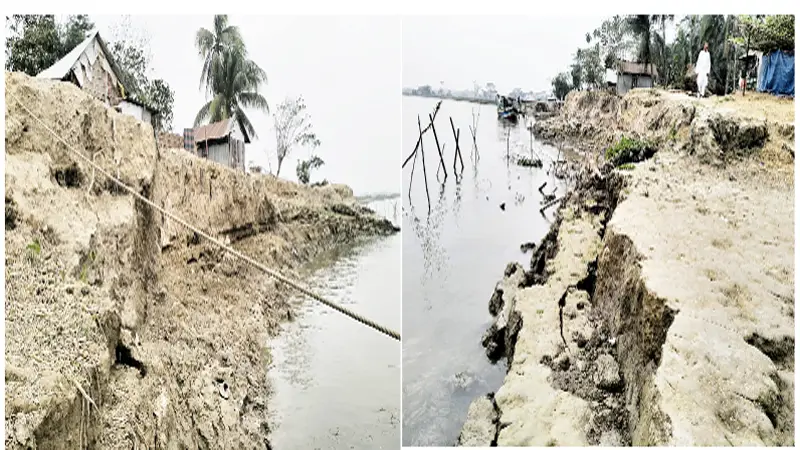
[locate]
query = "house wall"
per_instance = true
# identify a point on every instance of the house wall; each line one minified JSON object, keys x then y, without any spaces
{"x":219,"y":153}
{"x":96,"y":77}
{"x":136,"y":111}
{"x":626,"y":82}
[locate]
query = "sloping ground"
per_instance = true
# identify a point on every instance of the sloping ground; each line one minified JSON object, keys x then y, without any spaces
{"x":672,"y":323}
{"x":123,"y":330}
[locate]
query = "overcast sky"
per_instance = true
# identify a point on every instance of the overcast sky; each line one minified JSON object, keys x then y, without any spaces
{"x":510,"y":51}
{"x":514,"y":51}
{"x":347,"y":69}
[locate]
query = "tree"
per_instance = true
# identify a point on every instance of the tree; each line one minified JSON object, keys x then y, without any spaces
{"x":614,"y":39}
{"x":661,"y":42}
{"x":592,"y":66}
{"x":213,"y":44}
{"x":131,"y":51}
{"x":293,"y":128}
{"x":36,"y":42}
{"x":561,"y":86}
{"x":75,"y":31}
{"x":304,"y":168}
{"x":236,"y":82}
{"x":577,"y":71}
{"x":232,"y":80}
{"x":159,"y":96}
{"x":640,"y":26}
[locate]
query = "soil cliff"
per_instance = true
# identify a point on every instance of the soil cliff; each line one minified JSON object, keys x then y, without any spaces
{"x":124,"y":329}
{"x":659,"y":309}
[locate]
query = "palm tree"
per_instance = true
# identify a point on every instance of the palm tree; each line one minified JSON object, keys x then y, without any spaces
{"x":235,"y":81}
{"x":663,"y":19}
{"x":212,"y":44}
{"x":640,"y":25}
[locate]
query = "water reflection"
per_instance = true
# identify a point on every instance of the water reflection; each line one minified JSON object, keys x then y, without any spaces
{"x":335,"y":381}
{"x":453,"y":254}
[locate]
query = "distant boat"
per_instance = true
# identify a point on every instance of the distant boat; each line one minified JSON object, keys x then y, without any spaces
{"x":508,"y":109}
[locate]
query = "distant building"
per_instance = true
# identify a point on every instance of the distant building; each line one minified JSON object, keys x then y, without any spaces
{"x":631,"y":75}
{"x":222,"y":142}
{"x":91,"y":67}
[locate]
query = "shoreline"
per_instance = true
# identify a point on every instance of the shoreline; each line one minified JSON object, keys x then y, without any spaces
{"x":604,"y":330}
{"x":163,"y":332}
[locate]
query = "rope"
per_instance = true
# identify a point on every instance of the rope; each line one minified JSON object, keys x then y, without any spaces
{"x":355,"y":316}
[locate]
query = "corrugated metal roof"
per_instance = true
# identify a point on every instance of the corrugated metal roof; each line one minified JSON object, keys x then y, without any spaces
{"x":637,"y":68}
{"x":217,"y":130}
{"x":63,"y":66}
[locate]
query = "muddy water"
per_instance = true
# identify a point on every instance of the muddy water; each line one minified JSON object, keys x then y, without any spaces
{"x":454,"y":255}
{"x":335,"y":381}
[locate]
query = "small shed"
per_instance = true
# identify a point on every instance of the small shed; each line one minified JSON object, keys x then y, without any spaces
{"x":222,"y":142}
{"x":92,"y":68}
{"x":632,"y":75}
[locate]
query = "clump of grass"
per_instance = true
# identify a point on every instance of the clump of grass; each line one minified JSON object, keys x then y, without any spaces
{"x":629,"y":150}
{"x":626,"y":166}
{"x":35,"y":247}
{"x":673,"y":134}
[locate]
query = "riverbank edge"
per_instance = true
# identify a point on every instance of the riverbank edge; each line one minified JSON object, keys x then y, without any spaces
{"x":553,"y":404}
{"x":123,"y":328}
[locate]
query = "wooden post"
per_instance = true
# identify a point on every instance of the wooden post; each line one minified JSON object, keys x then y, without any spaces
{"x":424,"y":172}
{"x":441,"y":157}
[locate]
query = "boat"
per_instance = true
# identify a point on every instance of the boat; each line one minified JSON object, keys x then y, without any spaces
{"x":507,"y":109}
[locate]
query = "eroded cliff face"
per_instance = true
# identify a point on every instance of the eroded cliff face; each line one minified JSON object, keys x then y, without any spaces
{"x":123,"y":328}
{"x":659,"y":309}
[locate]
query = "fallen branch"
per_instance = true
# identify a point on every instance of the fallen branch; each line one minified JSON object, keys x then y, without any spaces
{"x":80,"y":389}
{"x":550,"y":203}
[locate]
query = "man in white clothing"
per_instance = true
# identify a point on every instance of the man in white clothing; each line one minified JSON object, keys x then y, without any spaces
{"x":702,"y":69}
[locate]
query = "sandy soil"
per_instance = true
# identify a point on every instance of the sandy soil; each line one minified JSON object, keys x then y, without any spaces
{"x":123,"y":330}
{"x":672,"y":323}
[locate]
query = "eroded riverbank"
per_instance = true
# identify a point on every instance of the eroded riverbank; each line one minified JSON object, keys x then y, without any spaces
{"x":123,"y":329}
{"x":659,"y":309}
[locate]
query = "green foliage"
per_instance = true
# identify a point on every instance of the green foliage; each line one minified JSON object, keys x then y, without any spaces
{"x":229,"y":76}
{"x":593,"y":73}
{"x":304,"y":168}
{"x":561,"y":85}
{"x":626,"y":166}
{"x":36,"y":42}
{"x":673,"y":134}
{"x":35,"y":247}
{"x":159,"y":96}
{"x":629,"y":150}
{"x":577,"y":71}
{"x":767,"y":33}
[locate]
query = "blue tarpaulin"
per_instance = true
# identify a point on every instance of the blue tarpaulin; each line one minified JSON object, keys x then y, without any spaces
{"x":777,"y":74}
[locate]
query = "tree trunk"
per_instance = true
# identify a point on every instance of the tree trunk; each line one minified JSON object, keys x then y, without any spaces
{"x":278,"y":172}
{"x":746,"y":62}
{"x":726,"y":54}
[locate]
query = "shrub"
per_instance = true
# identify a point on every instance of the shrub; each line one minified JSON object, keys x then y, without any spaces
{"x":629,"y":150}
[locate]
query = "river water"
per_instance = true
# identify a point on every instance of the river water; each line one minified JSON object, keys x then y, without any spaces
{"x":454,"y":255}
{"x":336,"y":383}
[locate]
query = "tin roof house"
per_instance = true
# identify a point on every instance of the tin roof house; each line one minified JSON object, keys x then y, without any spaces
{"x":91,"y":67}
{"x":632,"y":75}
{"x":222,"y":142}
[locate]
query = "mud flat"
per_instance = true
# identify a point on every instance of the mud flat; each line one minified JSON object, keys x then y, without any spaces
{"x":659,"y":309}
{"x":123,"y":329}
